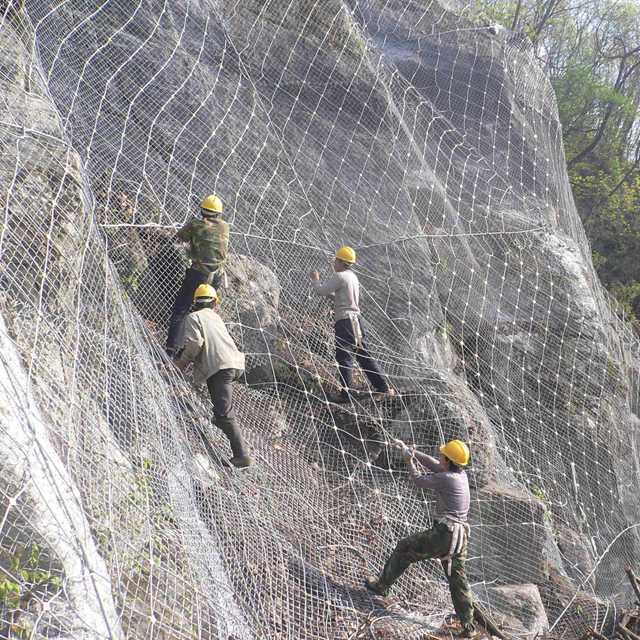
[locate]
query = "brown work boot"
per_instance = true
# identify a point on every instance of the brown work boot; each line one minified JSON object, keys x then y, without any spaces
{"x":373,"y":584}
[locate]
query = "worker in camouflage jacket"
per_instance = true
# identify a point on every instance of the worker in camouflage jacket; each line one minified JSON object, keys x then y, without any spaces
{"x":447,"y":539}
{"x":208,"y":240}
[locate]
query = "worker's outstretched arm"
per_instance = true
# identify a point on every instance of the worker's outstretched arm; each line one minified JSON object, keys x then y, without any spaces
{"x":193,"y":342}
{"x":431,"y":463}
{"x":185,"y":233}
{"x":326,"y":288}
{"x":422,"y":480}
{"x":412,"y":457}
{"x":426,"y":480}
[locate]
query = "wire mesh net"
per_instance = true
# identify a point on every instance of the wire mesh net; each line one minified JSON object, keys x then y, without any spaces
{"x":410,"y":130}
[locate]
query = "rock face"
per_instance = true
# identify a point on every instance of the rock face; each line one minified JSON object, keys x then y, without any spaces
{"x":58,"y":545}
{"x":518,"y":609}
{"x":429,"y":143}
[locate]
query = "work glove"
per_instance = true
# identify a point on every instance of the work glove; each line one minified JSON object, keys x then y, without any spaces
{"x":404,"y":448}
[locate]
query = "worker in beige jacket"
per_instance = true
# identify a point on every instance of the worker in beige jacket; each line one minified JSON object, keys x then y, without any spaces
{"x":216,"y":361}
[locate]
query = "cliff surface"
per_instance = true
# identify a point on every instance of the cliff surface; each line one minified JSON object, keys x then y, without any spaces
{"x":428,"y":142}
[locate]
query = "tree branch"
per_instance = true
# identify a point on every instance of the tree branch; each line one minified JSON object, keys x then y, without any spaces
{"x":546,"y":16}
{"x":516,"y":16}
{"x":627,"y":175}
{"x":623,"y":74}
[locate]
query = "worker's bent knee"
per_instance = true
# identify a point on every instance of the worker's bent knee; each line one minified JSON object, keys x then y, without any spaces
{"x":406,"y":546}
{"x":402,"y":545}
{"x":343,"y":356}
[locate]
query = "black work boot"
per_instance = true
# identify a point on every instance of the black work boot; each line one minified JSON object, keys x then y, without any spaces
{"x":384,"y":395}
{"x":241,"y":458}
{"x":374,"y":585}
{"x":341,"y":397}
{"x":468,"y":631}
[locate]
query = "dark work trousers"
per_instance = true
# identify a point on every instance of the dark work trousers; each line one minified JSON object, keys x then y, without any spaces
{"x":345,"y":350}
{"x":433,"y":543}
{"x":220,"y":387}
{"x":192,"y":280}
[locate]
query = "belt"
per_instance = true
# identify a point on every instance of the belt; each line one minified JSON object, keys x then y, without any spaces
{"x":459,"y":537}
{"x":212,"y":270}
{"x":209,"y":266}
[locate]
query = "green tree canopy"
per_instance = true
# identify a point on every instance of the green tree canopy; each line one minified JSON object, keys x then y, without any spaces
{"x":591,"y":52}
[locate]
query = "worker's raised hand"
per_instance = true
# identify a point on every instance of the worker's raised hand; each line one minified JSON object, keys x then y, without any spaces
{"x":315,"y":276}
{"x":404,"y":448}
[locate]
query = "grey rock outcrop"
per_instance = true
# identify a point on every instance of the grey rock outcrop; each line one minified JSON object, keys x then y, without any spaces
{"x":49,"y":505}
{"x":514,"y":538}
{"x":430,"y":144}
{"x":252,"y":310}
{"x":517,"y":609}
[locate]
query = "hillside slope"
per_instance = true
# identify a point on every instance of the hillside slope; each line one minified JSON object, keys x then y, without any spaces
{"x":429,"y":143}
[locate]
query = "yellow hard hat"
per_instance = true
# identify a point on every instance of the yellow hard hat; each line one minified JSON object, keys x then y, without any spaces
{"x":212,"y":203}
{"x":346,"y":254}
{"x":457,"y":451}
{"x":205,"y":292}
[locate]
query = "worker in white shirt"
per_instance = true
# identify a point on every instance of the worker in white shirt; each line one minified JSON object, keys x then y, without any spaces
{"x":216,"y":361}
{"x":344,"y":286}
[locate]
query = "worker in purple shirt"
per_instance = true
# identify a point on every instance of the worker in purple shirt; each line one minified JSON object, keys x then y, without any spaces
{"x":447,"y":539}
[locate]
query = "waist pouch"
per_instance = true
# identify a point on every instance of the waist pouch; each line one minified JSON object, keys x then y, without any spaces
{"x":356,"y":329}
{"x":459,"y":538}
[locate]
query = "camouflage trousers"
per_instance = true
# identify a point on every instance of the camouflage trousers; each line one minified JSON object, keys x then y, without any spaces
{"x":433,"y":543}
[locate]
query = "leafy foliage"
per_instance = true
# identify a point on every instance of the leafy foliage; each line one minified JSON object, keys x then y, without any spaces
{"x":22,"y":579}
{"x":591,"y":51}
{"x":25,"y":576}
